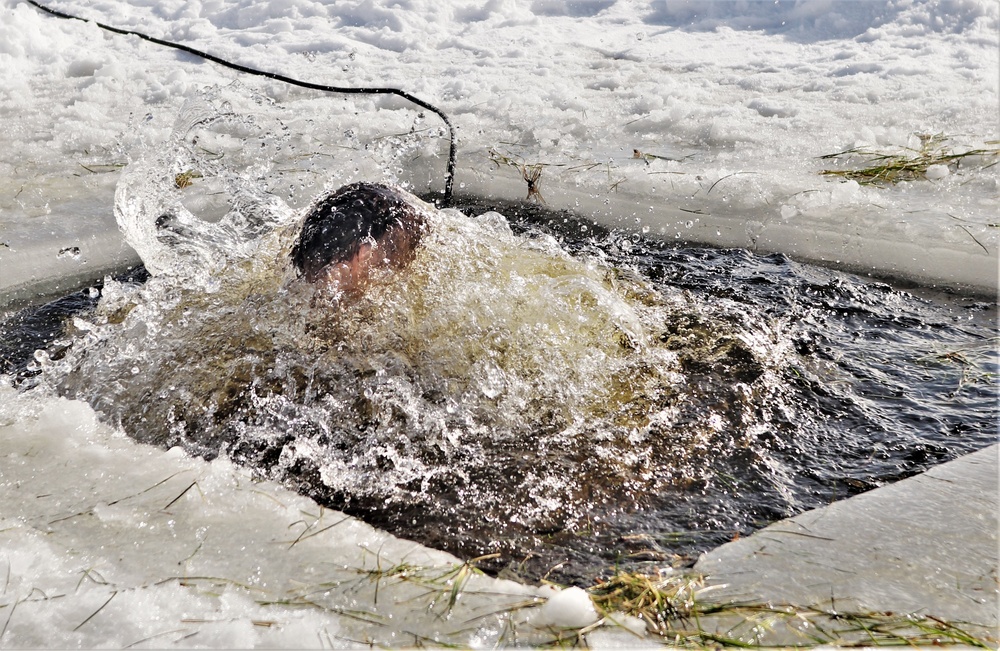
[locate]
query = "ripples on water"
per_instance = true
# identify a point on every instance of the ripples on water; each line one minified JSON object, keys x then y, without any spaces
{"x":531,"y":386}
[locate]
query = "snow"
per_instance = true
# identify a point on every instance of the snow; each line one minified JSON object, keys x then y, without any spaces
{"x":569,"y":608}
{"x":729,"y":105}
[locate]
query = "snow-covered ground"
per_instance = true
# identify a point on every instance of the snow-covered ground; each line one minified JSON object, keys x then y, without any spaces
{"x":729,"y":104}
{"x":746,"y":95}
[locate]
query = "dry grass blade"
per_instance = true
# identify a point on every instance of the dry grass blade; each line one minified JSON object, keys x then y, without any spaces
{"x":91,"y":573}
{"x":146,"y":490}
{"x":532,"y":175}
{"x":94,"y":614}
{"x":102,"y":168}
{"x":306,"y":532}
{"x":460,"y":577}
{"x":530,"y":172}
{"x":364,"y":616}
{"x":10,"y":615}
{"x":182,"y":493}
{"x":153,"y":637}
{"x":647,"y":157}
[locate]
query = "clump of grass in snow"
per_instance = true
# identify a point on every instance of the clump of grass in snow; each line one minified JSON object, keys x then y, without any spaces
{"x":908,"y":164}
{"x":660,"y":601}
{"x":185,"y":179}
{"x":671,"y":607}
{"x":531,"y":173}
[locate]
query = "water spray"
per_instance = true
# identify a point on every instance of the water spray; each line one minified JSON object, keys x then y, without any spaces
{"x":453,"y":145}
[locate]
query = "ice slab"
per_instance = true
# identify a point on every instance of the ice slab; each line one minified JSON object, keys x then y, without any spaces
{"x":66,"y":238}
{"x":77,"y":241}
{"x":932,"y":249}
{"x":925,"y":545}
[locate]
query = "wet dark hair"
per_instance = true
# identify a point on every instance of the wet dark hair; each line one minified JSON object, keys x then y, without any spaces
{"x":337,"y":226}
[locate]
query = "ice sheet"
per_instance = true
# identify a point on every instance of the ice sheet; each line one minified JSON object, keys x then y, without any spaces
{"x":925,"y":545}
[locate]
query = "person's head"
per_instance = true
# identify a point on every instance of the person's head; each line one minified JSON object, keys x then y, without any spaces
{"x":355,"y":230}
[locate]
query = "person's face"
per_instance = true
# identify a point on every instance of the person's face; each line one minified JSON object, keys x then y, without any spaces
{"x":349,"y":278}
{"x":357,"y":232}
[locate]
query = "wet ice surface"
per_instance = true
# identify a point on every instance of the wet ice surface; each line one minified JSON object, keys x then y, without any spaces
{"x":106,"y":543}
{"x":891,"y":550}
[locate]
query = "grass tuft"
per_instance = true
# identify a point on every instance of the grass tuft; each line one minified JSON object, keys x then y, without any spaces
{"x":908,"y":164}
{"x":672,"y":607}
{"x":661,"y":601}
{"x":186,"y":178}
{"x":531,"y":173}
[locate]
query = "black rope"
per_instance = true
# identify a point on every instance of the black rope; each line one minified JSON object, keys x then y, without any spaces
{"x":452,"y":149}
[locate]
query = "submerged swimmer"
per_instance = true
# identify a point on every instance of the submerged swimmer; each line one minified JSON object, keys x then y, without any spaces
{"x":356,"y":231}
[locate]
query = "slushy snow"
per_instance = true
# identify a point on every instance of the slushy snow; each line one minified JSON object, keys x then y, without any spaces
{"x":569,"y":608}
{"x":690,"y":121}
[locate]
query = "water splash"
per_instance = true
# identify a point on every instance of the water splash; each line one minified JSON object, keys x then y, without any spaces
{"x":200,"y":202}
{"x":499,"y":384}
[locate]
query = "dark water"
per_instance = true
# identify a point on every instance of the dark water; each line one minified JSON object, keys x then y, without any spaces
{"x":887,"y":381}
{"x":764,"y":387}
